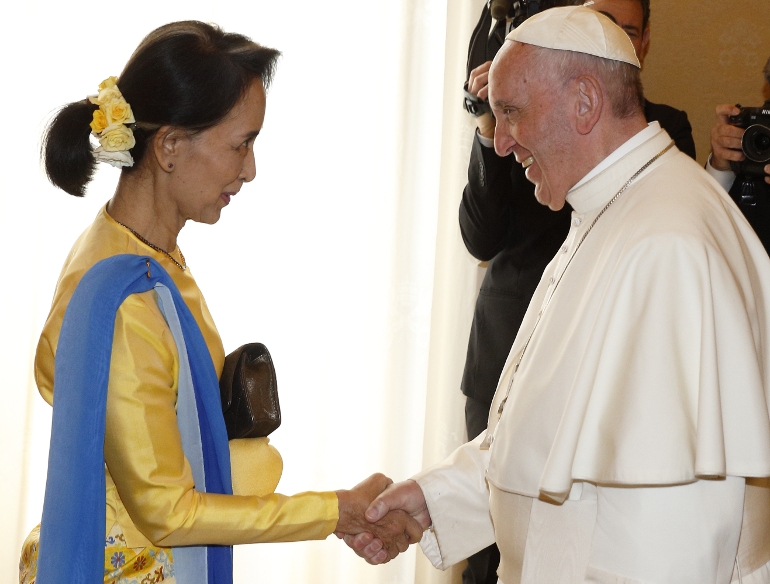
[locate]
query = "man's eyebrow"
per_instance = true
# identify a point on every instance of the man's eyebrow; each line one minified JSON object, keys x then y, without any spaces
{"x":500,"y":104}
{"x":625,"y":27}
{"x":608,"y":15}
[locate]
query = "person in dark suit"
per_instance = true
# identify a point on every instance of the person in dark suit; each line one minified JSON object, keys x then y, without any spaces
{"x":502,"y":223}
{"x":749,"y":191}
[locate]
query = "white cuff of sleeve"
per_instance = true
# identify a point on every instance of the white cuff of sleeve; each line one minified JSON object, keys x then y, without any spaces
{"x":429,"y":545}
{"x":485,"y":142}
{"x":457,"y":498}
{"x":725,"y":178}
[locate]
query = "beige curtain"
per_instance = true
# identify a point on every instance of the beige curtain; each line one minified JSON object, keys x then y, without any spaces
{"x":343,"y":256}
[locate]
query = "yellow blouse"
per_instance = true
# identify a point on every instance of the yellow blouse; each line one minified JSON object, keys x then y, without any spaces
{"x":150,"y":489}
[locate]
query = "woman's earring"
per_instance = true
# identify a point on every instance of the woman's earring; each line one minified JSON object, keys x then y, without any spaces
{"x":170,"y":165}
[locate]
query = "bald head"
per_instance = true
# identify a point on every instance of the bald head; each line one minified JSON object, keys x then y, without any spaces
{"x":621,"y":82}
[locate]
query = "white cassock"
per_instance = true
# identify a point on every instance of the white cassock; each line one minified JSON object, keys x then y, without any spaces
{"x":640,"y":404}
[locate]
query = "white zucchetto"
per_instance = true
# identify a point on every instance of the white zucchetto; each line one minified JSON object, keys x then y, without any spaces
{"x":578,"y":29}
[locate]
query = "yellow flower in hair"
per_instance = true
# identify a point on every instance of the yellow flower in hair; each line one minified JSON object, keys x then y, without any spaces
{"x":108,"y":91}
{"x":99,"y":122}
{"x":107,"y":83}
{"x":108,"y":95}
{"x":109,"y":125}
{"x":118,"y":112}
{"x":117,"y":139}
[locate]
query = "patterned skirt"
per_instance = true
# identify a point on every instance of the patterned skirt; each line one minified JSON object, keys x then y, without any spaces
{"x":122,"y":565}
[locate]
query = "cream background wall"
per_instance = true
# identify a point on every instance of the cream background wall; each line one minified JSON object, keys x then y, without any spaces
{"x":704,"y":53}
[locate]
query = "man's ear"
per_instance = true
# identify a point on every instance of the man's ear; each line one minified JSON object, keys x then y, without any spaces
{"x":590,"y":101}
{"x":167,"y":144}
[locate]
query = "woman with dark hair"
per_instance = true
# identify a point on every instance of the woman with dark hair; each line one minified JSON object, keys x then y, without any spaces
{"x":133,"y":494}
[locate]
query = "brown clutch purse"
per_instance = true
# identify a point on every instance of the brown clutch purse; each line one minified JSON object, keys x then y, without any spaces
{"x":249,"y":393}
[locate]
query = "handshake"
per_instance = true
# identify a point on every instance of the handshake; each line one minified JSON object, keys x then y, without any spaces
{"x":379,"y":519}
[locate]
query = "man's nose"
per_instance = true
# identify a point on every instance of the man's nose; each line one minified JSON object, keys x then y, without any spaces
{"x":504,"y":142}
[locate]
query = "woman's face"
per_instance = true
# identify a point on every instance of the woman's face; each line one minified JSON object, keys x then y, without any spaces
{"x":212,"y":166}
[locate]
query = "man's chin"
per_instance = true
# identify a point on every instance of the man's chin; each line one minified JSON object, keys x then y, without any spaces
{"x":542,"y":194}
{"x":544,"y":197}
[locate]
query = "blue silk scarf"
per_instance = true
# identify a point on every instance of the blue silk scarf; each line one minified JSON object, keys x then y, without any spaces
{"x":72,"y":527}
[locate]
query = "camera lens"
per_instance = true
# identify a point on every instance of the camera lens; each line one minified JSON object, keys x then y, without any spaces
{"x":756,"y":143}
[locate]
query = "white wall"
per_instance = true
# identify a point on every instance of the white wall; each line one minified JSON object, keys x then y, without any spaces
{"x":343,"y":256}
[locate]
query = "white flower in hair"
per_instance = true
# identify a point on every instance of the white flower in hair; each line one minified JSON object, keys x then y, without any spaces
{"x":116,"y":159}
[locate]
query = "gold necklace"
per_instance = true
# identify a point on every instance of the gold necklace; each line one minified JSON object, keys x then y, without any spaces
{"x":182,"y":266}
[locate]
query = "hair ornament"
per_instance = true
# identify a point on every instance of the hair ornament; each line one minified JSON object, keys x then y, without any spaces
{"x":112,"y":125}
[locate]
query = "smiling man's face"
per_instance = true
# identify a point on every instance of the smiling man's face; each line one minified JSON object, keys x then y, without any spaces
{"x":531,"y":120}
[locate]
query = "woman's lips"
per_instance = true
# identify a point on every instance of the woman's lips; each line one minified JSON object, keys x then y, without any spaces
{"x":226,"y":197}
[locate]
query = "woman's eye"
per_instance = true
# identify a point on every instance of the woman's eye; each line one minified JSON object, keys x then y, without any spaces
{"x":243,"y":148}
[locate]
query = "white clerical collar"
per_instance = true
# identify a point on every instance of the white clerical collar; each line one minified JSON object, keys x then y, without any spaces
{"x":603,"y":182}
{"x":627,"y":146}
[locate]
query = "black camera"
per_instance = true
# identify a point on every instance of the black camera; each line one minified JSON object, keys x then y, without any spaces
{"x":498,"y":18}
{"x":756,"y":139}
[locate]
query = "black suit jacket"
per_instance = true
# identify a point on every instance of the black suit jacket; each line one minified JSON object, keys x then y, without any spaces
{"x":502,"y":222}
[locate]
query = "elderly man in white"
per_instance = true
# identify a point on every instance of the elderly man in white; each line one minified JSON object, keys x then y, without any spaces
{"x":629,"y":439}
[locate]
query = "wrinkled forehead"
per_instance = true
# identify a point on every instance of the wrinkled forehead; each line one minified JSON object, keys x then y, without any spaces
{"x":512,"y":57}
{"x":516,"y":66}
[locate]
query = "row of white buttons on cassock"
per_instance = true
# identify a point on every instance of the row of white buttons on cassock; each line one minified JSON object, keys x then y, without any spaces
{"x":563,"y":261}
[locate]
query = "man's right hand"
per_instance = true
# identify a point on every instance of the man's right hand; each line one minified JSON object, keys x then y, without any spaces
{"x":478,"y":85}
{"x":726,"y":139}
{"x":393,"y":532}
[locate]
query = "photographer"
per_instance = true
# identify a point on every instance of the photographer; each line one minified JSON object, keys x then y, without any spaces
{"x":726,"y":150}
{"x":501,"y":221}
